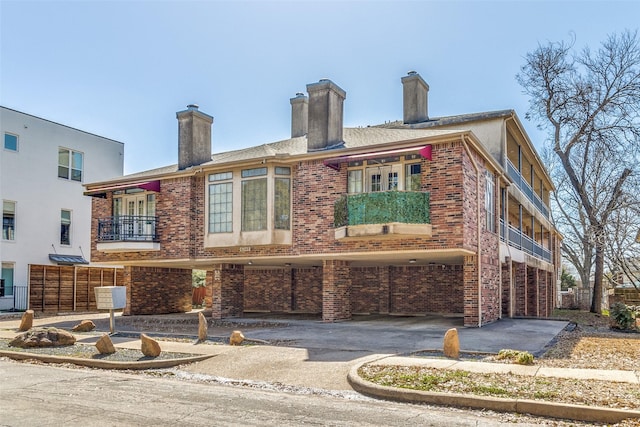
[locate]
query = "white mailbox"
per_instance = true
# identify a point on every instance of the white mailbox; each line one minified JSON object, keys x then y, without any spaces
{"x":111,"y":297}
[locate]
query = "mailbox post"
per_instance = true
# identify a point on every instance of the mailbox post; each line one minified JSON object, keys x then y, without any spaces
{"x":111,"y":298}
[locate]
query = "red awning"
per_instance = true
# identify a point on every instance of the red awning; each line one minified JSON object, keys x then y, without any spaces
{"x":144,"y":185}
{"x":334,"y":163}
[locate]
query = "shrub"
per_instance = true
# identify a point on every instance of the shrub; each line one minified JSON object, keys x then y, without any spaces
{"x":623,"y":316}
{"x":516,"y":356}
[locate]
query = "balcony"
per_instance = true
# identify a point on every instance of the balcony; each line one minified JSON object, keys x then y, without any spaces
{"x":526,"y":189}
{"x":523,"y":242}
{"x":382,"y":214}
{"x":127,"y":233}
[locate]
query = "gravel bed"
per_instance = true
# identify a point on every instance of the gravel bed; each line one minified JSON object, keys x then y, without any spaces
{"x":86,"y":351}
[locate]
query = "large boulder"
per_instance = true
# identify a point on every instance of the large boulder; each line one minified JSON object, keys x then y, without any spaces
{"x":202,"y":327}
{"x":149,"y":347}
{"x":84,"y":326}
{"x":236,"y":338}
{"x":105,"y":345}
{"x":451,"y":344}
{"x":43,"y":337}
{"x":26,"y":322}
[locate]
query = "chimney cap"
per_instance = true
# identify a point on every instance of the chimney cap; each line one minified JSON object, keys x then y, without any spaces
{"x":193,"y":106}
{"x":299,"y":94}
{"x":412,"y":73}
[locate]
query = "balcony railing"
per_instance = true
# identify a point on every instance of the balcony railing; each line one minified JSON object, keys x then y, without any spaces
{"x":127,"y":228}
{"x":523,"y":242}
{"x":383,"y":207}
{"x":524,"y":186}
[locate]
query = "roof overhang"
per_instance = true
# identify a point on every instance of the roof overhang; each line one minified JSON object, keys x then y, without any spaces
{"x":67,"y":259}
{"x":334,"y":162}
{"x":101,"y":191}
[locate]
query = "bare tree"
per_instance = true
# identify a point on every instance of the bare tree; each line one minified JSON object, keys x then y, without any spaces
{"x":623,"y":250}
{"x":590,"y":105}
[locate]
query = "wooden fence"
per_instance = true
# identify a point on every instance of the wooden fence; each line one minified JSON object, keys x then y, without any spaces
{"x":62,"y":288}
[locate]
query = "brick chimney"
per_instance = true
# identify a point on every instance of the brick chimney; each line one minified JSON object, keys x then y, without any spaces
{"x":299,"y":115}
{"x":415,"y":96}
{"x":325,"y":115}
{"x":194,"y":137}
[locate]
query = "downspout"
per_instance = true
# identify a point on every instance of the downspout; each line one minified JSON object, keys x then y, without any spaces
{"x":479,"y":250}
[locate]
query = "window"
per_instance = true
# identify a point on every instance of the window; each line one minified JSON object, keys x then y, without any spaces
{"x":8,"y":220}
{"x":254,"y":204}
{"x":7,"y":278}
{"x":412,"y":176}
{"x":282,"y":203}
{"x":70,"y":164}
{"x":65,"y":227}
{"x":355,"y":181}
{"x":490,"y":201}
{"x":264,"y":200}
{"x":10,"y":142}
{"x":221,"y":203}
{"x":385,"y":174}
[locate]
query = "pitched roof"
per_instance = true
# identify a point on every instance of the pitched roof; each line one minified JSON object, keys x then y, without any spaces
{"x":381,"y":134}
{"x":353,"y":138}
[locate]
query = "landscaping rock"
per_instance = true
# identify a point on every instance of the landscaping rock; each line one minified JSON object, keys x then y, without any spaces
{"x":236,"y":338}
{"x":150,"y":347}
{"x":105,"y":345}
{"x":84,"y":326}
{"x":202,"y":327}
{"x":43,"y":337}
{"x":451,"y":344}
{"x":27,"y":321}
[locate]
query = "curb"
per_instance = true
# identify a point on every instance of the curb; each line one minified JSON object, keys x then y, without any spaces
{"x":533,"y":407}
{"x":105,"y":364}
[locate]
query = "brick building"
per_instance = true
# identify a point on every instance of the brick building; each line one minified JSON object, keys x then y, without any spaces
{"x":425,"y":215}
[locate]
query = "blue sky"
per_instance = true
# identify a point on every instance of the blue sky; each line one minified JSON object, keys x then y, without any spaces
{"x":122,"y":69}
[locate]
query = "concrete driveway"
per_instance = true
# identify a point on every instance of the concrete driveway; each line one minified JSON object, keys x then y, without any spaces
{"x":401,"y":335}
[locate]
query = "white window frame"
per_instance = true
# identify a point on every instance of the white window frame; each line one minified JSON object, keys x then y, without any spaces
{"x":70,"y":169}
{"x":63,"y":223}
{"x":363,"y":175}
{"x":7,"y":266}
{"x":10,"y":234}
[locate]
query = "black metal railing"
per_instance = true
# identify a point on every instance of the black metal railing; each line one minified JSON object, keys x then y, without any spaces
{"x":524,"y":186}
{"x":519,"y":240}
{"x":127,"y":228}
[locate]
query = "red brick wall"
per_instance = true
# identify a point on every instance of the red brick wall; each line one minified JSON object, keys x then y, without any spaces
{"x":267,"y":289}
{"x":429,"y":289}
{"x":153,"y":290}
{"x":365,"y":290}
{"x":307,"y":290}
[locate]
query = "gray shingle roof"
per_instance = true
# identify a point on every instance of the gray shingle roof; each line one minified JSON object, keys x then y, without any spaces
{"x":386,"y":133}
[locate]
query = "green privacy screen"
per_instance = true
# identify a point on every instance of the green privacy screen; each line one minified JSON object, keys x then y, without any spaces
{"x":381,"y":208}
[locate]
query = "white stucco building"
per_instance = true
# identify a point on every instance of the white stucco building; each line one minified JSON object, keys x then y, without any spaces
{"x":43,"y":166}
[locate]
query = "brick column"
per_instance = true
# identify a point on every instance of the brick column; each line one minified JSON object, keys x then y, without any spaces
{"x":532,"y":291}
{"x":470,"y":280}
{"x":383,"y":290}
{"x":208,"y":296}
{"x":520,"y":288}
{"x":542,"y":294}
{"x":507,"y":289}
{"x":227,"y":291}
{"x":336,"y":290}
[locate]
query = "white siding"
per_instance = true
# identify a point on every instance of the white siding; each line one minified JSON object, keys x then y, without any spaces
{"x":30,"y":178}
